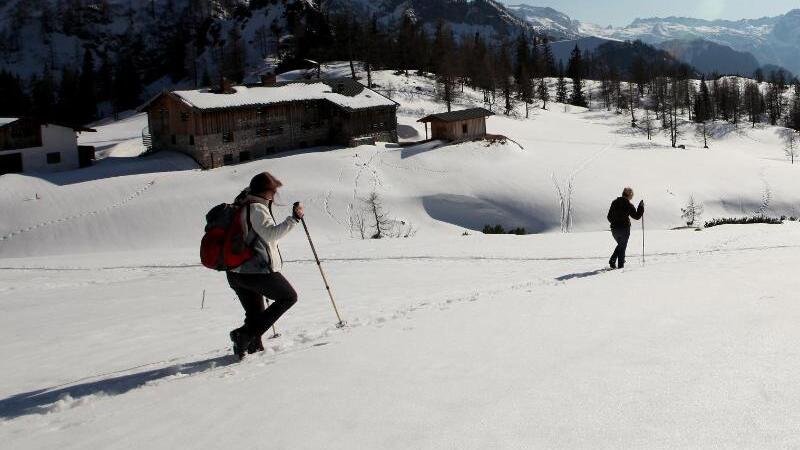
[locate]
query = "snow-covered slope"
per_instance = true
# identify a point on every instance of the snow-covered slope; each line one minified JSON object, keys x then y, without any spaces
{"x":441,"y":190}
{"x":460,"y":342}
{"x":113,"y":337}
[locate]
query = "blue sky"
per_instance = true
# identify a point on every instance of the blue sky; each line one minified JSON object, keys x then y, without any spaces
{"x":622,"y":12}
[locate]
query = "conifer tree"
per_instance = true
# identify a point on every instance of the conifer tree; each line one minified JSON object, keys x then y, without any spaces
{"x":15,"y":101}
{"x":43,"y":96}
{"x":87,"y":99}
{"x":504,"y":75}
{"x":753,"y":102}
{"x":525,"y":89}
{"x":561,"y":86}
{"x":575,"y":72}
{"x":68,"y":95}
{"x":702,"y":103}
{"x":543,"y":92}
{"x":548,"y":60}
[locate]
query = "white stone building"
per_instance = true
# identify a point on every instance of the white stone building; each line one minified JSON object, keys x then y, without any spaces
{"x":29,"y":145}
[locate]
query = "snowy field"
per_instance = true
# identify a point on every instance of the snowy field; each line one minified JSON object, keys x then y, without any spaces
{"x":112,"y":336}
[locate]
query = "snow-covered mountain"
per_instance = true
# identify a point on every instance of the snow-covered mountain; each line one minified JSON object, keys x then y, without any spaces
{"x":772,"y":40}
{"x":487,"y":17}
{"x":548,"y":21}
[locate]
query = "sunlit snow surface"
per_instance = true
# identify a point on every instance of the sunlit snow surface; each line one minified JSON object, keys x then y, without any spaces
{"x":112,"y":336}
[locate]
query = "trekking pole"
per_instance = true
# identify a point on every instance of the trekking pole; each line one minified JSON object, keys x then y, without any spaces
{"x":642,"y":240}
{"x":341,"y":323}
{"x":275,"y":334}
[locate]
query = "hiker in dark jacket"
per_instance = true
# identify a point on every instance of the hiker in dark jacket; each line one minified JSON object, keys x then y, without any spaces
{"x":260,"y":276}
{"x":619,"y":216}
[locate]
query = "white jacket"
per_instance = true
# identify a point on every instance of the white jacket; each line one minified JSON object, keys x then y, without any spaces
{"x":265,"y":234}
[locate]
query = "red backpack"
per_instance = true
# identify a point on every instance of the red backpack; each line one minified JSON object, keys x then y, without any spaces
{"x":224,"y":245}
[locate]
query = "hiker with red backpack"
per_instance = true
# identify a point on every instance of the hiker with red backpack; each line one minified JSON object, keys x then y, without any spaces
{"x":242,"y":239}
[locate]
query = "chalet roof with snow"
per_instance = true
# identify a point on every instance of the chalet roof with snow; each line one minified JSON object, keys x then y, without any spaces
{"x":457,"y":116}
{"x":343,"y":92}
{"x":5,"y":121}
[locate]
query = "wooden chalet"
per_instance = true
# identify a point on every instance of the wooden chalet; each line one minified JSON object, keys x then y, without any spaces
{"x":238,"y":123}
{"x":457,"y":125}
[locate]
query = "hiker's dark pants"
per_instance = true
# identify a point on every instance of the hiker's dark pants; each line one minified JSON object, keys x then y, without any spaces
{"x":621,"y":235}
{"x":251,"y":290}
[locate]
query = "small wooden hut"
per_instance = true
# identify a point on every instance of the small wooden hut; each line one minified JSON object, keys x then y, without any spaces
{"x":457,"y":125}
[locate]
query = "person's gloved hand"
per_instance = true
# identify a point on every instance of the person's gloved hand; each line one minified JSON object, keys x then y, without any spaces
{"x":298,"y":212}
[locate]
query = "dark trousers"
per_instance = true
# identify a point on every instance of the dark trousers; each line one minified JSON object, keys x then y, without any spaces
{"x":251,"y":290}
{"x":621,"y":236}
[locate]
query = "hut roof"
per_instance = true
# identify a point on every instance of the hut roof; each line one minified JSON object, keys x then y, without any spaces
{"x":343,"y":92}
{"x":5,"y":121}
{"x":457,"y":116}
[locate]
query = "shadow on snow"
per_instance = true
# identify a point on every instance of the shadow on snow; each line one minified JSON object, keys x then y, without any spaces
{"x":573,"y":276}
{"x":42,"y":401}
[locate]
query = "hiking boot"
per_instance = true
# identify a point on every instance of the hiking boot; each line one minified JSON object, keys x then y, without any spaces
{"x":255,"y":346}
{"x":241,"y":342}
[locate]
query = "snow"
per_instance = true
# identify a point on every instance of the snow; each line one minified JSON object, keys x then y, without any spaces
{"x":120,"y":138}
{"x":7,"y":120}
{"x":453,"y":340}
{"x":263,"y":95}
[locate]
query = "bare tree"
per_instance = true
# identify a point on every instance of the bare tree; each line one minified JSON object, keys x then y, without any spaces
{"x":791,"y":148}
{"x":369,"y":220}
{"x":692,"y":212}
{"x":564,"y":194}
{"x":633,"y":98}
{"x":382,"y":224}
{"x":358,"y":221}
{"x":261,"y":38}
{"x":670,"y":116}
{"x":647,"y":123}
{"x":766,"y":199}
{"x":704,"y":132}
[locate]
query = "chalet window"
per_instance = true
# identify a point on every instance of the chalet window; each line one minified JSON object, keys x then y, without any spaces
{"x":227,"y":136}
{"x":273,"y":131}
{"x":244,"y":156}
{"x":54,"y":158}
{"x":173,"y":139}
{"x":311,"y":125}
{"x":274,"y":114}
{"x":464,"y":128}
{"x":227,"y":159}
{"x":191,"y":139}
{"x":184,"y":117}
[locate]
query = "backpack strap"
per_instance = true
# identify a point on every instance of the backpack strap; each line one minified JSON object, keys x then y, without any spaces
{"x":250,"y":226}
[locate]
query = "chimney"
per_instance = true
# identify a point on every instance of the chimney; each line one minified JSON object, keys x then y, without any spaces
{"x":269,"y":78}
{"x":225,"y":87}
